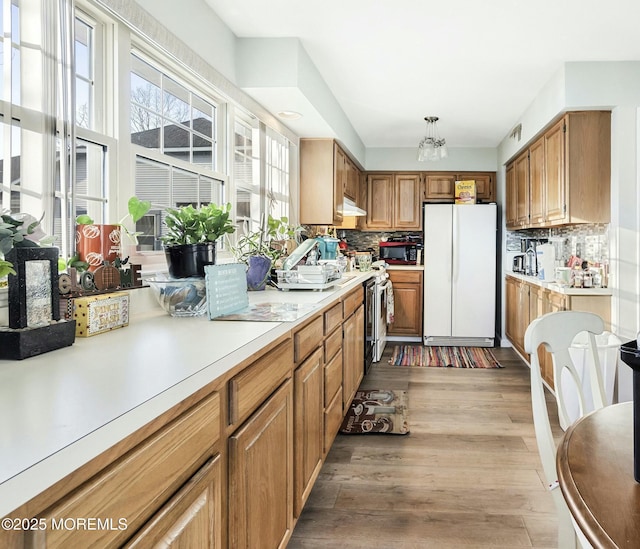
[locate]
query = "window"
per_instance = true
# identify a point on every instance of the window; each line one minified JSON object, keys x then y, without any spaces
{"x":169,"y":118}
{"x":277,"y":175}
{"x":173,"y":132}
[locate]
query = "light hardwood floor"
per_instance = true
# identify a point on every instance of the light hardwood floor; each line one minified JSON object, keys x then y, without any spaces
{"x":468,"y":474}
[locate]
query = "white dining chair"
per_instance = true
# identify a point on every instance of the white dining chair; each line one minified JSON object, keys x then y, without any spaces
{"x":556,"y":332}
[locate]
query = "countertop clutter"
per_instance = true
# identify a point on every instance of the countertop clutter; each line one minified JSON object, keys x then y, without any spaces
{"x":62,"y":409}
{"x":566,"y":290}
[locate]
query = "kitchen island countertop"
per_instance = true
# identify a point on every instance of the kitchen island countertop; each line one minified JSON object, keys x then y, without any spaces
{"x":63,"y":408}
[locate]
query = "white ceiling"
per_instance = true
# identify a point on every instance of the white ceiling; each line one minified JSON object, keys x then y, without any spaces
{"x":476,"y":65}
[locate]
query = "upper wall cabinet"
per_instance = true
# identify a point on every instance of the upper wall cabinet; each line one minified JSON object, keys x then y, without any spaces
{"x":394,"y":201}
{"x":440,"y":187}
{"x":564,"y":176}
{"x":321,"y":181}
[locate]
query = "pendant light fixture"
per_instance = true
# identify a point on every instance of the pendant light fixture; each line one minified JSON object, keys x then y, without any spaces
{"x":432,"y":147}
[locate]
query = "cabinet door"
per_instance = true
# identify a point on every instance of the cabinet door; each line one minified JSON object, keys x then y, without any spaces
{"x":522,"y":189}
{"x":192,"y":518}
{"x":537,"y":182}
{"x":536,"y":310}
{"x":353,"y":355}
{"x":554,"y":147}
{"x":440,"y":187}
{"x":523,"y":315}
{"x":511,"y":315}
{"x":308,"y":427}
{"x":512,"y":199}
{"x":261,"y":476}
{"x":352,"y":179}
{"x":408,"y":202}
{"x":339,"y":181}
{"x":407,"y":296}
{"x":484,"y":187}
{"x":380,"y":201}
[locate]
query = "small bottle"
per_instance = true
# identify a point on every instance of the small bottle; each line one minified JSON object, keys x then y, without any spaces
{"x":577,"y":278}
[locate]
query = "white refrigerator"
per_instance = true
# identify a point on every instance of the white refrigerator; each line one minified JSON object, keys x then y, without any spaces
{"x":460,"y":274}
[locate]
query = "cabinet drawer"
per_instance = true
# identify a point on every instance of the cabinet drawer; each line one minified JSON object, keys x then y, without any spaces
{"x":332,"y":345}
{"x":412,"y":277}
{"x":250,"y":388}
{"x":135,"y":487}
{"x":332,"y":378}
{"x":352,"y":301}
{"x":307,"y":339}
{"x":332,"y":420}
{"x":332,"y":318}
{"x":191,"y":518}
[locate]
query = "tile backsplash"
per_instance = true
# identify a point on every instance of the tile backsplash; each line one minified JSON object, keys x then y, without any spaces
{"x":588,"y":241}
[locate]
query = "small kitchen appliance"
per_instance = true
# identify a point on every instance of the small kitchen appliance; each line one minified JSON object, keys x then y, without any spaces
{"x":400,"y":252}
{"x":518,"y":264}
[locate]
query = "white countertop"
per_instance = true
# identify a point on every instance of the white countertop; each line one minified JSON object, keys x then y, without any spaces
{"x":63,"y":408}
{"x":561,"y":289}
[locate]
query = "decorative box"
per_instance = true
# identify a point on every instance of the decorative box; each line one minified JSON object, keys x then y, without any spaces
{"x":101,"y":313}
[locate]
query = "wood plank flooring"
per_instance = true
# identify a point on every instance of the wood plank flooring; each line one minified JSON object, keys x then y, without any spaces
{"x":468,"y":474}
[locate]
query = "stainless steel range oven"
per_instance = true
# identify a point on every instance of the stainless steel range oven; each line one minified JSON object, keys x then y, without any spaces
{"x":375,"y":301}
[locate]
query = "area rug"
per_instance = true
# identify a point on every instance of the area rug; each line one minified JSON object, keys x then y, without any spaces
{"x":448,"y":357}
{"x":377,"y":411}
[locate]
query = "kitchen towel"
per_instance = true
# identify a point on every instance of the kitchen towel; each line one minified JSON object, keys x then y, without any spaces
{"x":390,"y":303}
{"x":447,"y":357}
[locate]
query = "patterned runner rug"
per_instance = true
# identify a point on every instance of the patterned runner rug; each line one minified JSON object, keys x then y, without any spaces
{"x":448,"y":357}
{"x":377,"y":411}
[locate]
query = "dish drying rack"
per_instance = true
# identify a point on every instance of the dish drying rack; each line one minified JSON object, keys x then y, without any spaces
{"x":308,"y":277}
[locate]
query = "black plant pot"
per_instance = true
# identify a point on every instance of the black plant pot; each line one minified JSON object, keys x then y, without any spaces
{"x":185,"y":260}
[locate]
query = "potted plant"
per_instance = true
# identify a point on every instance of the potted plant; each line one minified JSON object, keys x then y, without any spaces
{"x":14,"y":234}
{"x":263,"y":249}
{"x":192,"y":233}
{"x":97,"y":243}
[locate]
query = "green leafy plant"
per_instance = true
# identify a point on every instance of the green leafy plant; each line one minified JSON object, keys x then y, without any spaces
{"x":268,"y":243}
{"x":137,"y":209}
{"x":189,"y":225}
{"x":14,"y":234}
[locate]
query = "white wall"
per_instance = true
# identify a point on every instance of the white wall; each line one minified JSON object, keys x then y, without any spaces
{"x":459,"y":159}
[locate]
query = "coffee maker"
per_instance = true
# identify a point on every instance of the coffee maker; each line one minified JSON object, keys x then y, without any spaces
{"x":529,"y":247}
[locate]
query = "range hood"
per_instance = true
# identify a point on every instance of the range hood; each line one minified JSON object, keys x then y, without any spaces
{"x":349,"y":209}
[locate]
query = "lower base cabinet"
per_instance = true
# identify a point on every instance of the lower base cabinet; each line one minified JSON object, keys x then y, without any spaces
{"x":352,"y":355}
{"x":308,"y":426}
{"x":408,"y":300}
{"x":260,"y":480}
{"x":192,"y":518}
{"x":526,"y":302}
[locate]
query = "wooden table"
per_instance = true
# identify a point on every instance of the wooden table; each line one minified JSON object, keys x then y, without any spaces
{"x":595,"y":472}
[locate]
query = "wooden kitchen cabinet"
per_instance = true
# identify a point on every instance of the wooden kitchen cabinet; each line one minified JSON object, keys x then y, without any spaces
{"x":394,"y":201}
{"x":440,"y":187}
{"x":308,"y":426}
{"x":568,"y":176}
{"x":192,"y":518}
{"x":322,"y":181}
{"x":527,"y":301}
{"x":521,"y":173}
{"x":408,"y":302}
{"x":260,"y":479}
{"x":512,"y":206}
{"x":537,"y":191}
{"x":353,"y":355}
{"x":352,"y":180}
{"x":517,"y":312}
{"x":136,"y":486}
